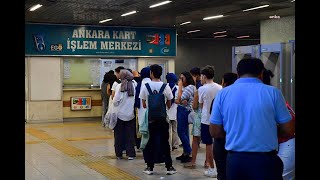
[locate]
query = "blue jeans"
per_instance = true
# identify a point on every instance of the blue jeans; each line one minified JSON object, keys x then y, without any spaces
{"x":183,"y":128}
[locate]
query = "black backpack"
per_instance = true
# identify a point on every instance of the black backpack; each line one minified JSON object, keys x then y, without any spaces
{"x":156,"y":104}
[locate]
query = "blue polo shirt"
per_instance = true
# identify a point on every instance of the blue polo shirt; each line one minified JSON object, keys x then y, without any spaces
{"x":249,"y":112}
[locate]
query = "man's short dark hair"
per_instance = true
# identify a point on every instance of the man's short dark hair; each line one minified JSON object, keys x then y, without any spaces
{"x":156,"y":70}
{"x":111,"y":72}
{"x":119,"y":68}
{"x":251,"y":66}
{"x":208,"y":71}
{"x":229,"y":78}
{"x":266,"y":76}
{"x":195,"y":71}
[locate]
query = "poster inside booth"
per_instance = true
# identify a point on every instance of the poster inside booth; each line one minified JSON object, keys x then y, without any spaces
{"x":80,"y":103}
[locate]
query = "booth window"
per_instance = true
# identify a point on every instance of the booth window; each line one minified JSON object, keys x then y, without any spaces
{"x":81,"y":72}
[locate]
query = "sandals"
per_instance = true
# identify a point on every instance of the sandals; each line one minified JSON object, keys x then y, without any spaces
{"x":189,"y":166}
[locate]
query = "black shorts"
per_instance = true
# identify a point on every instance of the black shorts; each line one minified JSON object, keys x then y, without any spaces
{"x":205,"y":135}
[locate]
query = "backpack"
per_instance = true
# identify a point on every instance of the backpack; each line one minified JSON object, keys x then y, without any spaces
{"x":211,"y":105}
{"x":156,"y":104}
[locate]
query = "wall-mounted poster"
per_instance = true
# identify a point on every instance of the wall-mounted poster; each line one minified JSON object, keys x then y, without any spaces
{"x":80,"y":103}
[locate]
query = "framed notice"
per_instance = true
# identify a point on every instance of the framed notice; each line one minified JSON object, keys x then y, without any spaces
{"x":80,"y":103}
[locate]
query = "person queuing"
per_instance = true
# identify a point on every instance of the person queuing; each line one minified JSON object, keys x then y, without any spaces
{"x":249,"y":112}
{"x":219,"y":151}
{"x":125,"y":126}
{"x":286,"y":144}
{"x":184,"y":99}
{"x":207,"y":93}
{"x":157,"y":148}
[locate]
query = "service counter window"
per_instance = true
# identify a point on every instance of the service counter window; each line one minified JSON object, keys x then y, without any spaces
{"x":81,"y":73}
{"x":89,"y":72}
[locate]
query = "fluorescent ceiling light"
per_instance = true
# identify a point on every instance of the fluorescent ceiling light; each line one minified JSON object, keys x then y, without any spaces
{"x":259,"y":7}
{"x":129,"y":13}
{"x":106,"y":20}
{"x":240,"y":37}
{"x":35,"y":7}
{"x":220,"y":36}
{"x":160,"y":4}
{"x":220,"y":32}
{"x":293,"y":1}
{"x":213,"y":17}
{"x":193,"y":31}
{"x":188,"y":22}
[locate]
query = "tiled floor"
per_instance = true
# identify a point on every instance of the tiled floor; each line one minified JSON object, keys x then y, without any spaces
{"x":84,"y":151}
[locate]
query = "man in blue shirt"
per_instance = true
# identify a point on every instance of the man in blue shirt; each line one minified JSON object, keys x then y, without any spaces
{"x":248,"y":113}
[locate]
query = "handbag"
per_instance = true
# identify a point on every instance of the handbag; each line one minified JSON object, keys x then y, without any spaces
{"x":110,"y":119}
{"x":191,"y":117}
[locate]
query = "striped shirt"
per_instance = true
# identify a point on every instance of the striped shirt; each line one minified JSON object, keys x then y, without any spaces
{"x":187,"y":94}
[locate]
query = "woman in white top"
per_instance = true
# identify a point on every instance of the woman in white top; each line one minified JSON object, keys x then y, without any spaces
{"x":124,"y":101}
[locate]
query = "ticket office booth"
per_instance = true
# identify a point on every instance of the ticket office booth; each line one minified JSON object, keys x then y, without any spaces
{"x":65,"y":65}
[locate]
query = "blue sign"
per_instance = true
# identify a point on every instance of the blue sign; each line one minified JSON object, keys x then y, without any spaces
{"x":60,"y":40}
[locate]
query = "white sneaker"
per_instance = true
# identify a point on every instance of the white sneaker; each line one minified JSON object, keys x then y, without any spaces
{"x":130,"y":158}
{"x":211,"y":172}
{"x":171,"y":171}
{"x":148,"y":171}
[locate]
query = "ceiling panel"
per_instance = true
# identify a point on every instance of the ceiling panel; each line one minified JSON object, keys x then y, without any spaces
{"x":236,"y":22}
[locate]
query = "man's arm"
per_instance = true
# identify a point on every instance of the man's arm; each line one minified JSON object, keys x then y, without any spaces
{"x":178,"y":100}
{"x":168,"y":103}
{"x":144,"y":103}
{"x":283,"y":116}
{"x":216,"y":123}
{"x":287,"y":129}
{"x":195,"y":103}
{"x":217,"y":131}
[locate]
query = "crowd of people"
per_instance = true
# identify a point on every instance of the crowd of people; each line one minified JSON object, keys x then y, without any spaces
{"x":244,"y":122}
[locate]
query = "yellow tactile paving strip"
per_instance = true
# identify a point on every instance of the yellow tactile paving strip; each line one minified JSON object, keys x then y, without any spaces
{"x":33,"y":142}
{"x":66,"y":148}
{"x":98,"y":164}
{"x":71,"y":125}
{"x":39,"y":134}
{"x":110,"y":171}
{"x":89,"y":138}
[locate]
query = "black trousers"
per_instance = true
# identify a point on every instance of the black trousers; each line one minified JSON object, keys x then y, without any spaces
{"x":157,"y":149}
{"x":254,"y":166}
{"x":220,"y":157}
{"x":124,"y":136}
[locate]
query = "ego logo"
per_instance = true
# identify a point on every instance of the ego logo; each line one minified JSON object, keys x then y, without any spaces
{"x":165,"y":50}
{"x":56,"y":47}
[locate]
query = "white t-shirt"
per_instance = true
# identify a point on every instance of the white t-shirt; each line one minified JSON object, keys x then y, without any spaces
{"x":207,"y":92}
{"x":172,"y":112}
{"x":155,"y":86}
{"x":114,"y":85}
{"x":124,"y":103}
